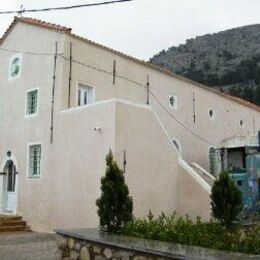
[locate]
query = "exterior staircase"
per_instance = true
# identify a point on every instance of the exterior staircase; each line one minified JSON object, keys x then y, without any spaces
{"x":206,"y":176}
{"x":12,"y":224}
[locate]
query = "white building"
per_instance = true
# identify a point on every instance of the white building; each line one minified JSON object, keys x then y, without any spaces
{"x":60,"y":114}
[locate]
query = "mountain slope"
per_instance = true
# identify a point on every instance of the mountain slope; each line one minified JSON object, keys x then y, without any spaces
{"x":228,"y":60}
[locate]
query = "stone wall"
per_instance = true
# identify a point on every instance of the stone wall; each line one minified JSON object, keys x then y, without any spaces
{"x":92,"y":244}
{"x":76,"y":249}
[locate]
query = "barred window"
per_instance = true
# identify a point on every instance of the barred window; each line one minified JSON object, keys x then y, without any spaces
{"x":32,"y":100}
{"x":34,"y":160}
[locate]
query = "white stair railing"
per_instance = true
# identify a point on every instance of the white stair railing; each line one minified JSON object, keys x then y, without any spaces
{"x":203,"y":171}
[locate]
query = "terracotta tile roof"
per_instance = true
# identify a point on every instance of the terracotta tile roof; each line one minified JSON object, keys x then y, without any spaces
{"x":43,"y":24}
{"x":27,"y":20}
{"x":67,"y":31}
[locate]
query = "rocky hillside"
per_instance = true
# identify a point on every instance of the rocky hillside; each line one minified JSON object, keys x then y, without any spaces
{"x":228,"y":60}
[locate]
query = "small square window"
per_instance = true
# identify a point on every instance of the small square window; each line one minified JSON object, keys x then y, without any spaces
{"x":85,"y":95}
{"x":34,"y":160}
{"x":32,"y":102}
{"x":239,"y":183}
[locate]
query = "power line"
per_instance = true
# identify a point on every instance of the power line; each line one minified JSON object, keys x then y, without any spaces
{"x":180,"y":123}
{"x":102,"y":70}
{"x":28,"y":52}
{"x":61,"y":8}
{"x":85,"y":65}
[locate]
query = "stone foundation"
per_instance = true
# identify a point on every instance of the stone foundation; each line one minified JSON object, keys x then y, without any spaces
{"x":74,"y":249}
{"x":91,"y":244}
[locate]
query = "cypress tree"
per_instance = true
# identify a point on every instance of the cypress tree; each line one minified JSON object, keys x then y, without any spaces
{"x":115,"y":206}
{"x":226,"y":200}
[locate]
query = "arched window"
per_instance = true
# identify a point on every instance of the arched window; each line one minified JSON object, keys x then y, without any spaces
{"x":11,"y":172}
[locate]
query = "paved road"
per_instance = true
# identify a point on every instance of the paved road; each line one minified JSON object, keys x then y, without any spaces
{"x":28,"y":246}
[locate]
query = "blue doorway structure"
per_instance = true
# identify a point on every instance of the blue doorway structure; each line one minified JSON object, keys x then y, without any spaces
{"x":247,"y":180}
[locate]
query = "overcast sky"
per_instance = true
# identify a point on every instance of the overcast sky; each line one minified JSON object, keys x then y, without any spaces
{"x":142,"y":28}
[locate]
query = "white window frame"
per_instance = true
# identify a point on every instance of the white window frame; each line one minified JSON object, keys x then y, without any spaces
{"x":87,"y":85}
{"x":29,"y":176}
{"x":14,"y":56}
{"x":175,"y":106}
{"x":38,"y":101}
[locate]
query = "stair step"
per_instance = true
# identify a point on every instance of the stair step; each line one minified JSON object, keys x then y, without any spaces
{"x":8,"y":223}
{"x":13,"y":228}
{"x":9,"y":218}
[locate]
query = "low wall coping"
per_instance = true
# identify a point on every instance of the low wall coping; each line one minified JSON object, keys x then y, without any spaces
{"x":157,"y":248}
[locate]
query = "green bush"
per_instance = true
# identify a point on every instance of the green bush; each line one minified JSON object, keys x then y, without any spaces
{"x":184,"y":231}
{"x":226,"y":200}
{"x":115,"y":206}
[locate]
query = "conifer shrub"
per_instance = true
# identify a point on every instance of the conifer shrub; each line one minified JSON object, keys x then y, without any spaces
{"x":226,"y":200}
{"x":115,"y":206}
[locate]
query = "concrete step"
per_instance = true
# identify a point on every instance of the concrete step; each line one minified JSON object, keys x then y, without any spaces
{"x":12,"y":223}
{"x":9,"y":218}
{"x":14,"y":228}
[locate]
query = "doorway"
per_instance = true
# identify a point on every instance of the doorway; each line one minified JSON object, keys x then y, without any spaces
{"x":9,"y":186}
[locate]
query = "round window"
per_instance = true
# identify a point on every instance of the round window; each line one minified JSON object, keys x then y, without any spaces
{"x":15,"y":67}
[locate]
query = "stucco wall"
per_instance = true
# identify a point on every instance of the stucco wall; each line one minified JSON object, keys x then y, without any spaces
{"x":78,"y":162}
{"x":79,"y":153}
{"x":131,"y":78}
{"x":65,"y":194}
{"x":193,"y":199}
{"x":151,"y":160}
{"x":17,"y":130}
